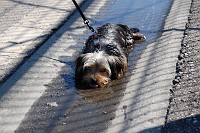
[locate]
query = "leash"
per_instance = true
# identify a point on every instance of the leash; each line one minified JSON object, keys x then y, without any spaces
{"x":86,"y":21}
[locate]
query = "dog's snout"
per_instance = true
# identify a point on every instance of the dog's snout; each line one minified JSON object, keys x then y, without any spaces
{"x":93,"y":80}
{"x":106,"y":81}
{"x":93,"y":83}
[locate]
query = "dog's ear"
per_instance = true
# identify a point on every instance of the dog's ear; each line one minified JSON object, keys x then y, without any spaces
{"x":79,"y":67}
{"x":134,"y":30}
{"x":118,"y":66}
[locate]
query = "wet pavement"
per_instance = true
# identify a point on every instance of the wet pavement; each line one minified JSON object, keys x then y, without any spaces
{"x":93,"y":110}
{"x":136,"y":103}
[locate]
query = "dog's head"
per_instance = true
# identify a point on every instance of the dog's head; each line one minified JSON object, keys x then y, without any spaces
{"x":92,"y":70}
{"x":95,"y":70}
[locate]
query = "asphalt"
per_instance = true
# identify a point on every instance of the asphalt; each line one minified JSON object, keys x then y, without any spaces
{"x":152,"y":100}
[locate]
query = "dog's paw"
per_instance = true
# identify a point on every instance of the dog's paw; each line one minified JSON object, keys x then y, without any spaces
{"x":137,"y":36}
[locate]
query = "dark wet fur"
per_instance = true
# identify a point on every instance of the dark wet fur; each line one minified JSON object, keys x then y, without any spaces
{"x":114,"y":40}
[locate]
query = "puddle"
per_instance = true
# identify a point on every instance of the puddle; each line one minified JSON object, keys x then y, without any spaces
{"x":92,"y":110}
{"x":97,"y":107}
{"x":148,"y":16}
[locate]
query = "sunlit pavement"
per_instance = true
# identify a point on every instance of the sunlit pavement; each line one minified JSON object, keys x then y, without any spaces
{"x":40,"y":95}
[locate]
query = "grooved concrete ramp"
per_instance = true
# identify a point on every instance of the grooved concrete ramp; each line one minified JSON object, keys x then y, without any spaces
{"x":41,"y":96}
{"x":29,"y":82}
{"x":24,"y":26}
{"x":146,"y":99}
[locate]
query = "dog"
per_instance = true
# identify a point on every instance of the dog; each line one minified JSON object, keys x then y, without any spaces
{"x":104,"y":57}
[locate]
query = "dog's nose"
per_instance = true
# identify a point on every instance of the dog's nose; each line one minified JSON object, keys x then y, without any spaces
{"x":106,"y":81}
{"x":93,"y":83}
{"x":93,"y":80}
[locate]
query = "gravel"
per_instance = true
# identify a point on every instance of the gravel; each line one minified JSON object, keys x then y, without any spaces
{"x":183,"y":112}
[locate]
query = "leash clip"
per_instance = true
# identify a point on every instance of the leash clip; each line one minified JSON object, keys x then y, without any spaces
{"x":86,"y":22}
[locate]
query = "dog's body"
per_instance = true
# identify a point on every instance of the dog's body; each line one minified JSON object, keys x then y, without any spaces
{"x":105,"y":55}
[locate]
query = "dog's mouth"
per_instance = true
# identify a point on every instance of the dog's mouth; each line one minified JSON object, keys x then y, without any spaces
{"x":94,"y":86}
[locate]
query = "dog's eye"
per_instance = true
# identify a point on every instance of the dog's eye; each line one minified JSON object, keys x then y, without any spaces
{"x":87,"y":68}
{"x":103,"y":70}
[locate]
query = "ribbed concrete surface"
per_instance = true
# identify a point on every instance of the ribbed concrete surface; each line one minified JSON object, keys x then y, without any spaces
{"x":17,"y":97}
{"x":146,"y":99}
{"x":24,"y":25}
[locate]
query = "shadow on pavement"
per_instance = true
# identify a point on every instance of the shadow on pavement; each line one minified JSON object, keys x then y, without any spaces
{"x":14,"y":79}
{"x":91,"y":111}
{"x":185,"y":125}
{"x":36,"y":5}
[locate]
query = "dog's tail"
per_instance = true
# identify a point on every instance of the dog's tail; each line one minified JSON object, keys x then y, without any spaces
{"x":134,"y":30}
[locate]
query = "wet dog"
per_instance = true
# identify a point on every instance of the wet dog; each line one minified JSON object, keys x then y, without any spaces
{"x":104,"y":56}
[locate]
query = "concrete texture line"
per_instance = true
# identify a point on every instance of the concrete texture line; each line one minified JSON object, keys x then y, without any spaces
{"x":29,"y":3}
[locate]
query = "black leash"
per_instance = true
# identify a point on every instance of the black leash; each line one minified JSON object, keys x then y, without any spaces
{"x":86,"y":21}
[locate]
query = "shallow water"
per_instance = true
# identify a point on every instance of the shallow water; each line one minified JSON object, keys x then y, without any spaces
{"x":97,"y":107}
{"x":147,"y":15}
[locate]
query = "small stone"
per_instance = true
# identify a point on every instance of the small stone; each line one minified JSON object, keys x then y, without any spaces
{"x":180,"y":61}
{"x":178,"y":76}
{"x":190,"y":62}
{"x":151,"y":120}
{"x":104,"y":112}
{"x":191,"y":65}
{"x":190,"y":78}
{"x":180,"y":57}
{"x":184,"y":44}
{"x":175,"y":81}
{"x":192,"y":70}
{"x":183,"y":51}
{"x":124,"y":107}
{"x":186,"y":55}
{"x":112,"y":118}
{"x":52,"y":104}
{"x":178,"y":86}
{"x":181,"y":73}
{"x":171,"y":91}
{"x":185,"y":33}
